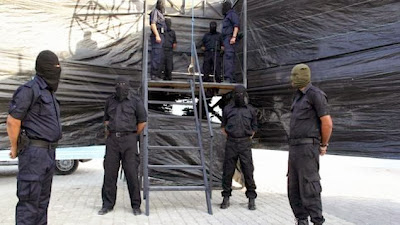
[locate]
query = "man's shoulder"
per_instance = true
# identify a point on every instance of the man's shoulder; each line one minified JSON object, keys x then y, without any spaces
{"x":251,"y":107}
{"x":316,"y":91}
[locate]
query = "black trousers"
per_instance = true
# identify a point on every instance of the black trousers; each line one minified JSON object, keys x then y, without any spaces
{"x":121,"y":149}
{"x":241,"y":150}
{"x":168,"y":63}
{"x":35,"y":175}
{"x":212,"y":60}
{"x":157,"y":54}
{"x":304,"y":187}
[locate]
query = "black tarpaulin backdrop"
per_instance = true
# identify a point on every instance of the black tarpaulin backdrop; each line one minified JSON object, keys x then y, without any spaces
{"x":353,"y":50}
{"x":351,"y":46}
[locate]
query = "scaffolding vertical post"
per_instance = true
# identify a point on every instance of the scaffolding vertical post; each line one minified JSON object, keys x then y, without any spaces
{"x":145,"y":100}
{"x":245,"y":43}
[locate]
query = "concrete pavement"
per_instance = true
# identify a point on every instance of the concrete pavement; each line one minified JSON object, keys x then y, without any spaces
{"x":355,"y":191}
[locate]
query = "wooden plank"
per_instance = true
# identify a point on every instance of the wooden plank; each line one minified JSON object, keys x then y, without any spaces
{"x":223,"y":87}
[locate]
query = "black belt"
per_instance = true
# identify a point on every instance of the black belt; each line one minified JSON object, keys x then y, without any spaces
{"x":43,"y":144}
{"x":238,"y":139}
{"x":212,"y":50}
{"x":302,"y":141}
{"x":121,"y":134}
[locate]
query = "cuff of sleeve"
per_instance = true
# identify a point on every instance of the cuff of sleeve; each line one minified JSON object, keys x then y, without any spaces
{"x":17,"y":115}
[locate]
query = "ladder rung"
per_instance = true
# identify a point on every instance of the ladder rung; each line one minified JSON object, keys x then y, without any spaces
{"x":177,"y":188}
{"x":183,"y":148}
{"x":169,"y":102}
{"x":170,"y":90}
{"x":172,"y":131}
{"x":154,"y":115}
{"x":178,"y":167}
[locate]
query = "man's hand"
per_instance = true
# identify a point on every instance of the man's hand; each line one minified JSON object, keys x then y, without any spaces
{"x":224,"y":132}
{"x":13,"y":152}
{"x":233,"y":40}
{"x":322,"y":150}
{"x":158,"y":39}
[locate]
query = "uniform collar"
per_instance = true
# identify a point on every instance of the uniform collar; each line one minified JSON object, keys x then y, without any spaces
{"x":304,"y":91}
{"x":41,"y":82}
{"x":129,"y":97}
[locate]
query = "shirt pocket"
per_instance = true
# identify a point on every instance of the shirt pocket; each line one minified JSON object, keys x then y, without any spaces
{"x":128,"y":113}
{"x":111,"y":111}
{"x":247,"y":117}
{"x":305,"y":112}
{"x":231,"y":120}
{"x":46,"y":105}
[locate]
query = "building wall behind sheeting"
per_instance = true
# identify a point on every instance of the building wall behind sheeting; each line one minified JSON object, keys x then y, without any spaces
{"x":353,"y":50}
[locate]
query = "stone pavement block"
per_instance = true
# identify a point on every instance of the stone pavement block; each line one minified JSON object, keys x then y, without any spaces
{"x":76,"y":198}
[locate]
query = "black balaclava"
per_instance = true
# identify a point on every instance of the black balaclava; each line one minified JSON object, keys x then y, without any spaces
{"x":240,"y":96}
{"x":122,"y":87}
{"x":160,"y":6}
{"x":213,"y":27}
{"x":48,"y":68}
{"x":168,"y":22}
{"x":226,"y":6}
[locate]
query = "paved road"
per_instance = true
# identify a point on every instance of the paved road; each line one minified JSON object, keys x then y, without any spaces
{"x":356,"y":191}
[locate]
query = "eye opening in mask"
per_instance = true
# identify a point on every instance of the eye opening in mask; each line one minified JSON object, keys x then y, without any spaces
{"x":121,"y":83}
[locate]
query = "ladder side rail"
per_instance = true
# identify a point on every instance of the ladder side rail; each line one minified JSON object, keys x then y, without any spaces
{"x":202,"y":93}
{"x":145,"y":101}
{"x":202,"y":158}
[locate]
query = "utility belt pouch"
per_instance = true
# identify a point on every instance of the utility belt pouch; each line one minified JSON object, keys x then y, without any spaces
{"x":22,"y":142}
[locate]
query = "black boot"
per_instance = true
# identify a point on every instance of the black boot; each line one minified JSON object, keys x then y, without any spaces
{"x":252,"y":203}
{"x":225,"y":203}
{"x":301,"y":221}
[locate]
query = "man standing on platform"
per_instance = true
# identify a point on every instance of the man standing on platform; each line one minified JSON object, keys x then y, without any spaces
{"x":124,"y":118}
{"x":34,"y":128}
{"x":169,"y":45}
{"x":239,"y":123}
{"x":310,"y":131}
{"x":230,"y":29}
{"x":211,"y":45}
{"x":158,"y":29}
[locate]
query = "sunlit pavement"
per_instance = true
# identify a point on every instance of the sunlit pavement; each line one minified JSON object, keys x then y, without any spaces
{"x":355,"y":191}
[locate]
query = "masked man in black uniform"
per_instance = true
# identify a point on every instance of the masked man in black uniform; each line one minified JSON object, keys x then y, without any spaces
{"x":124,"y":117}
{"x":169,"y":46}
{"x":239,"y":123}
{"x":34,"y":128}
{"x":157,"y":38}
{"x":310,"y":130}
{"x":211,"y":45}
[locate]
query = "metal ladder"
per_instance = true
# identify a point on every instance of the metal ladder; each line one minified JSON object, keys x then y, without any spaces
{"x":199,"y":147}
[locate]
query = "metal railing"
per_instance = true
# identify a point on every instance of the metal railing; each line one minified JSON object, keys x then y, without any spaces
{"x":203,"y":100}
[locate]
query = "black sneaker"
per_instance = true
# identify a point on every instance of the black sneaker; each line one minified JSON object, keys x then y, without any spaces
{"x":252,"y":204}
{"x":104,"y":211}
{"x":137,"y":211}
{"x":225,"y":203}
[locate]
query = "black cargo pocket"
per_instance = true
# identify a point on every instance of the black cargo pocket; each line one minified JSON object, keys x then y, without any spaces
{"x":312,"y":186}
{"x":27,"y":190}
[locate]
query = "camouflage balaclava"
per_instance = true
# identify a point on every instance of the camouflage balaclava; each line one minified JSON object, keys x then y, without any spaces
{"x":48,"y":68}
{"x":300,"y":76}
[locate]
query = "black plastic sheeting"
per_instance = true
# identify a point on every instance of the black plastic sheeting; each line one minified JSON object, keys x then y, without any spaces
{"x":88,"y":73}
{"x":353,"y":50}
